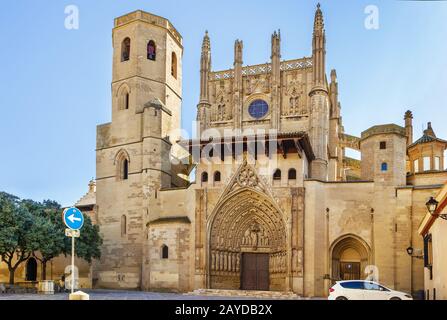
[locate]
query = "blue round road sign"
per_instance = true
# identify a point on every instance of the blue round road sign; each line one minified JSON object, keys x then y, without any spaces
{"x":73,"y":218}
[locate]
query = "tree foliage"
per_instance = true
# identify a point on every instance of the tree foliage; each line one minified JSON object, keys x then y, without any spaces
{"x":17,"y":233}
{"x":30,"y":228}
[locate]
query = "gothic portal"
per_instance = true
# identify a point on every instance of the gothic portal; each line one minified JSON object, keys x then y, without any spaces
{"x":247,"y":236}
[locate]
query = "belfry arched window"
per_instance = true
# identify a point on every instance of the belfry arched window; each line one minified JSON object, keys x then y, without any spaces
{"x":125,"y":50}
{"x":277,"y":175}
{"x":205,"y":177}
{"x":151,"y":51}
{"x":217,"y":176}
{"x":174,"y":65}
{"x":292,"y":174}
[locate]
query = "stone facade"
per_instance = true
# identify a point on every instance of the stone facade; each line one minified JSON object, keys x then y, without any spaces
{"x":285,"y":197}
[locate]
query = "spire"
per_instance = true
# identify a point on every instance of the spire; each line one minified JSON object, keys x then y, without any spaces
{"x":205,"y":68}
{"x":275,"y":82}
{"x":238,"y":48}
{"x":206,"y":45}
{"x":409,"y":126}
{"x":319,"y":20}
{"x":333,"y":75}
{"x":408,"y":115}
{"x":319,"y":49}
{"x":333,"y":90}
{"x":276,"y":44}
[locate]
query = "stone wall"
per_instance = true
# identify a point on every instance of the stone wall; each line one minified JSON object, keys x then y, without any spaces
{"x":172,"y":273}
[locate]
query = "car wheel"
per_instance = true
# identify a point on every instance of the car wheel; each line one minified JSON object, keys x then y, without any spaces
{"x":395,"y":298}
{"x":341,"y":298}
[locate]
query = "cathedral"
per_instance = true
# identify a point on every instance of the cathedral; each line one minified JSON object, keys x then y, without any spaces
{"x":263,"y":197}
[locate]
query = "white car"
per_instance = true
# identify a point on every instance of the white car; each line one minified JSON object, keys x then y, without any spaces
{"x":364,"y":290}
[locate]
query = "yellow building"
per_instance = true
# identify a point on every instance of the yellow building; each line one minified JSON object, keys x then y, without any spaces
{"x":433,"y":229}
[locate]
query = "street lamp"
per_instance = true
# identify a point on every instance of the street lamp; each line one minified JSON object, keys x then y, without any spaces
{"x":410,"y":251}
{"x":432,"y":205}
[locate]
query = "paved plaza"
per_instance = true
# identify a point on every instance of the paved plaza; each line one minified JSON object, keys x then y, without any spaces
{"x":128,"y":295}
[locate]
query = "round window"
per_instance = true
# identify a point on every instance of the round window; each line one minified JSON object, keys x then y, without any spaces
{"x":258,"y":109}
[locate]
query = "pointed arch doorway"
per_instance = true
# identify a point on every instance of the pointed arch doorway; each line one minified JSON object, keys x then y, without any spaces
{"x":247,"y":244}
{"x":350,"y":255}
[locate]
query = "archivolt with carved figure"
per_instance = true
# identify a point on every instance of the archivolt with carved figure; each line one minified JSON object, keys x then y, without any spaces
{"x":247,"y":222}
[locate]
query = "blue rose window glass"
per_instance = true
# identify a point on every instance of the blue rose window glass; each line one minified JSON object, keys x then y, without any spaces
{"x":258,"y":109}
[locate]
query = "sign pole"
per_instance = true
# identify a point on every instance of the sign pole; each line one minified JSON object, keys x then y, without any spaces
{"x":74,"y":220}
{"x":72,"y":262}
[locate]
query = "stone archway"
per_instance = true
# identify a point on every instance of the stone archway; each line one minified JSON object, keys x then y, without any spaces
{"x":349,"y":257}
{"x":247,"y":223}
{"x":31,"y":270}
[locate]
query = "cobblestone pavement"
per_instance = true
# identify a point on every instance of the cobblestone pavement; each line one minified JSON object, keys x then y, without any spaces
{"x":120,"y":295}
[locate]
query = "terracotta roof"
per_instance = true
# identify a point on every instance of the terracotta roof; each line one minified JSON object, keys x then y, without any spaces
{"x":428,"y":136}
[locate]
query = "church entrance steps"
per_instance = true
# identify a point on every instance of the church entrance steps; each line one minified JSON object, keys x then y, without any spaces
{"x":245,"y":294}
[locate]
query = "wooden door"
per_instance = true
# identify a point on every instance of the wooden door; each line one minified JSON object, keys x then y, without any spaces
{"x":255,"y":272}
{"x":350,"y":270}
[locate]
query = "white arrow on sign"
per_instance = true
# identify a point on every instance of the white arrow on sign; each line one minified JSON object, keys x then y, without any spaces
{"x":73,"y":219}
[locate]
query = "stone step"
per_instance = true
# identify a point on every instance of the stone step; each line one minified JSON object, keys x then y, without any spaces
{"x":244,"y":293}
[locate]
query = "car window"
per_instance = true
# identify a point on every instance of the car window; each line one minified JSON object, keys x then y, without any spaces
{"x":352,"y":285}
{"x":372,"y":286}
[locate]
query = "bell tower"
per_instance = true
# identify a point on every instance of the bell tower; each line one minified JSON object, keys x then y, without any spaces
{"x":134,"y":149}
{"x":147,"y":65}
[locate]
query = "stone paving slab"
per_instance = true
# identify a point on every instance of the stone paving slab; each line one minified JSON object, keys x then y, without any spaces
{"x":128,"y":295}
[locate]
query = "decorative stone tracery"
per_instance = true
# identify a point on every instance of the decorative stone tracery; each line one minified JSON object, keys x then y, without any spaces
{"x":245,"y":221}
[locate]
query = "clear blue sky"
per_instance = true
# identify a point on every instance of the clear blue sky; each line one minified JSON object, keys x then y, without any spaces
{"x":55,"y":83}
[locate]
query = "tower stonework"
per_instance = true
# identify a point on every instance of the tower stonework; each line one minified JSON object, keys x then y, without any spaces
{"x":133,"y":150}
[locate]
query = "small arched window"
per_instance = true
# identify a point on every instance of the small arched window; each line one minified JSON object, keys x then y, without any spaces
{"x":384,"y":166}
{"x":123,"y":225}
{"x":125,"y":50}
{"x":277,"y":175}
{"x":126,"y":100}
{"x":123,"y":97}
{"x":205,"y":177}
{"x":151,"y":51}
{"x":174,"y":65}
{"x":122,"y":162}
{"x":292,"y":174}
{"x":217,"y":176}
{"x":125,"y":169}
{"x":164,"y":252}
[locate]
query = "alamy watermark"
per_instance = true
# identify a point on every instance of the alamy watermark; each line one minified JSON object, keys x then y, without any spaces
{"x":71,"y":17}
{"x":372,"y":20}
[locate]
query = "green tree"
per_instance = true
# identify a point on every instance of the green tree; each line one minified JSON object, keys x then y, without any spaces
{"x":49,"y":237}
{"x":17,"y":230}
{"x":31,"y":228}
